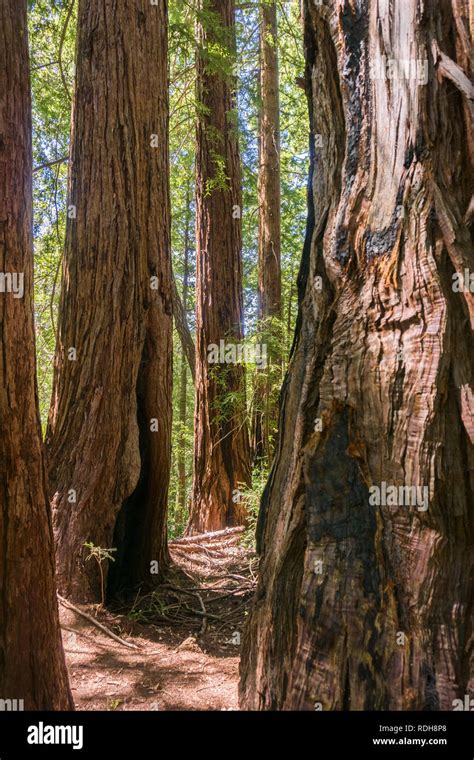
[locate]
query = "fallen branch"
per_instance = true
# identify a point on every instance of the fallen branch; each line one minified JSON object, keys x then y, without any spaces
{"x":76,"y":632}
{"x":209,"y":536}
{"x":204,"y":620}
{"x":207,"y":548}
{"x":95,"y":622}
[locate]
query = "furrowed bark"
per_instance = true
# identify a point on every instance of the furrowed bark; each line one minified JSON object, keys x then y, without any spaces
{"x":378,"y":598}
{"x":32,"y":665}
{"x":265,"y":419}
{"x":110,"y":420}
{"x":221,"y":458}
{"x":269,"y":274}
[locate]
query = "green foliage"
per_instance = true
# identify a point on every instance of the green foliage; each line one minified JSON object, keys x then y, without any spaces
{"x":220,"y":180}
{"x":52,"y":43}
{"x":216,"y":44}
{"x":252,"y":497}
{"x":182,"y":129}
{"x":52,"y":30}
{"x":150,"y":607}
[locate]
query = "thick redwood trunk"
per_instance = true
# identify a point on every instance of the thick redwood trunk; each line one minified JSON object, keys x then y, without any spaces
{"x":32,"y":666}
{"x":221,"y":459}
{"x":269,"y":248}
{"x":110,"y":421}
{"x":378,"y":592}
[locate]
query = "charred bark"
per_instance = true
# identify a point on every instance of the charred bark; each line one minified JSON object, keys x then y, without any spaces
{"x":378,"y":596}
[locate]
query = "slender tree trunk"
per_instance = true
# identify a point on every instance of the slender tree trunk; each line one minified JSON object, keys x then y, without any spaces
{"x":180,"y":306}
{"x":289,"y":321}
{"x":181,"y":324}
{"x":221,"y":458}
{"x":269,"y":274}
{"x":378,"y":591}
{"x":269,"y":254}
{"x":110,"y":420}
{"x":183,"y":389}
{"x":32,"y":665}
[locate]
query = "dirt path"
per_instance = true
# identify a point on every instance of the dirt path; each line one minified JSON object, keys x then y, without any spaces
{"x":188,"y":634}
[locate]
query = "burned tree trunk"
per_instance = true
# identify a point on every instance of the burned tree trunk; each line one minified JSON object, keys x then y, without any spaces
{"x":32,"y":666}
{"x":110,"y":420}
{"x":221,"y":458}
{"x":269,"y":253}
{"x":367,"y":524}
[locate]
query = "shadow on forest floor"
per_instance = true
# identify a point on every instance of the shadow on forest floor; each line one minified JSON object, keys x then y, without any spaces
{"x":187,"y":634}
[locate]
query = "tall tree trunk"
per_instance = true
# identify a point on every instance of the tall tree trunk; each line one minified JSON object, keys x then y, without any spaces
{"x":32,"y":665}
{"x":269,"y":253}
{"x":269,"y":274}
{"x":183,"y":381}
{"x":221,"y":458}
{"x":110,"y":420}
{"x":181,"y":324}
{"x":378,"y":592}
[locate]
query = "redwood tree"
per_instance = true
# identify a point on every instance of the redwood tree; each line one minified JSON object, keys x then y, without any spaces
{"x":183,"y":379}
{"x":378,"y":601}
{"x":221,"y":458}
{"x":110,"y":419}
{"x":32,"y":666}
{"x":269,"y":247}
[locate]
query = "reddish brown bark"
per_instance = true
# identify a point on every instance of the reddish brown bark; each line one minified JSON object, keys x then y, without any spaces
{"x":269,"y":247}
{"x":110,"y":420}
{"x":32,"y":666}
{"x":269,"y":273}
{"x":378,"y":599}
{"x":221,"y":459}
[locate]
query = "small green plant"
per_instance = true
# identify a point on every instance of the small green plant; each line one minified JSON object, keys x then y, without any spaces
{"x":114,"y":704}
{"x":252,"y":496}
{"x":149,"y":607}
{"x":100,"y":555}
{"x":220,"y":180}
{"x":137,"y":616}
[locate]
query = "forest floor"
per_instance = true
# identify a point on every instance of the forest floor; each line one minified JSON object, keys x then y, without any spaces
{"x":183,"y":639}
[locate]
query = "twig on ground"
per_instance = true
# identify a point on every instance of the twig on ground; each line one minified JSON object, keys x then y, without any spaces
{"x":204,"y":620}
{"x":213,"y":685}
{"x":95,"y":622}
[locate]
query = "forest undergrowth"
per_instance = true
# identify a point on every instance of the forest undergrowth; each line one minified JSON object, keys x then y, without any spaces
{"x":177,"y":648}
